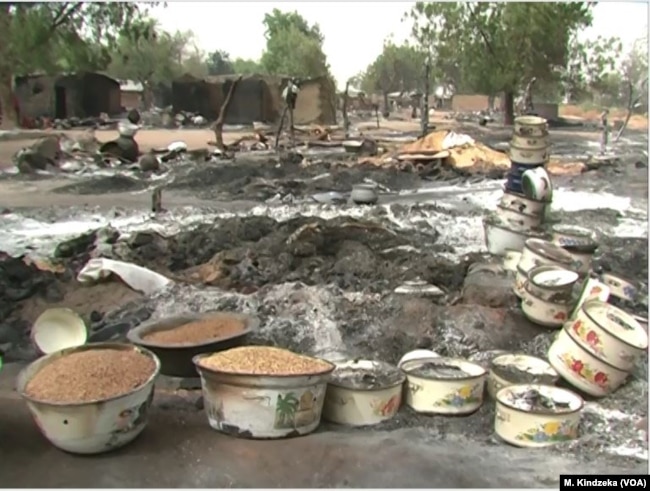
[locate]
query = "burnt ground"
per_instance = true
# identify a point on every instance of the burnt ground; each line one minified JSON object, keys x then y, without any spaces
{"x":323,"y":285}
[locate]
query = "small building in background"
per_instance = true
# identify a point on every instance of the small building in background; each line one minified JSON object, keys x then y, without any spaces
{"x":80,"y":95}
{"x":131,"y":93}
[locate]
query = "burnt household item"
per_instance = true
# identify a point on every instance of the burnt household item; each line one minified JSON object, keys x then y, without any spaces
{"x":176,"y":359}
{"x":364,"y":194}
{"x":156,"y":200}
{"x":124,"y":148}
{"x":133,"y":116}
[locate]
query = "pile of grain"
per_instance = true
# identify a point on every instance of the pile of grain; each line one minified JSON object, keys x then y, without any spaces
{"x":199,"y":331}
{"x":263,"y":360}
{"x":90,"y":375}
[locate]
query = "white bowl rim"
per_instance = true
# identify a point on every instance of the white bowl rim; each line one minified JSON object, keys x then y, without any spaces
{"x":638,"y":337}
{"x":526,"y":363}
{"x":530,"y":121}
{"x":363,"y":364}
{"x":567,"y":276}
{"x":59,"y":311}
{"x":566,"y":303}
{"x":23,"y":381}
{"x":477,"y":370}
{"x":549,"y":389}
{"x":522,"y":196}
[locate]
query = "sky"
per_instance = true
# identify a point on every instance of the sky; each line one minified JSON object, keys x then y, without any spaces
{"x":353,"y":40}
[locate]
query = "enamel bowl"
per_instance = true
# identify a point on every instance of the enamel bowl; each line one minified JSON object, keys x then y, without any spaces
{"x":531,"y":127}
{"x":571,"y":235}
{"x":436,"y":391}
{"x":521,"y":278}
{"x":583,"y":370}
{"x":592,"y":289}
{"x":542,"y":312}
{"x":521,"y":219}
{"x":57,"y":329}
{"x":501,"y":236}
{"x":537,"y":252}
{"x":513,"y":369}
{"x":620,"y":287}
{"x":537,"y":415}
{"x":363,"y":392}
{"x":552,"y":283}
{"x":529,"y":156}
{"x":609,"y":333}
{"x":522,"y":204}
{"x":511,"y":260}
{"x":537,"y":184}
{"x":91,"y":427}
{"x":529,"y":141}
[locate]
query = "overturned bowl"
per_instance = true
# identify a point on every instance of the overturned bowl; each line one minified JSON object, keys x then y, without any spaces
{"x":363,"y":392}
{"x":515,"y":369}
{"x":444,"y":385}
{"x":95,"y":426}
{"x":57,"y":329}
{"x":364,"y":194}
{"x":537,"y":415}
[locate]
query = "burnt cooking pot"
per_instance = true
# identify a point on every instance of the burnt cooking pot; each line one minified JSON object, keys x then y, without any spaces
{"x":176,"y":359}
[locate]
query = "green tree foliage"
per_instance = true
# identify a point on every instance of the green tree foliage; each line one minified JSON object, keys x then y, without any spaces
{"x":293,"y":47}
{"x":148,"y":54}
{"x":399,"y":68}
{"x":219,"y":63}
{"x":246,"y":66}
{"x":496,"y":47}
{"x":54,"y":36}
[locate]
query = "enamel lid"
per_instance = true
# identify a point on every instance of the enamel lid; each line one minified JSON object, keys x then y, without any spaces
{"x":549,"y":250}
{"x":618,"y":323}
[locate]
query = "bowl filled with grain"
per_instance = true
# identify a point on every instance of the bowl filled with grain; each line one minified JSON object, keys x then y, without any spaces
{"x":263,"y":392}
{"x":176,"y":340}
{"x":93,"y":398}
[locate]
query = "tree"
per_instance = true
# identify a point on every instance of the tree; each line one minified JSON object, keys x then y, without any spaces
{"x":591,"y":70}
{"x":246,"y":66}
{"x":148,"y":55}
{"x":498,"y":46}
{"x":635,"y":78}
{"x":41,"y":36}
{"x":219,"y":63}
{"x":399,"y":68}
{"x":293,"y":47}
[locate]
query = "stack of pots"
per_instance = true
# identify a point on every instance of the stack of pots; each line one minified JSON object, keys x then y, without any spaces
{"x":598,"y":348}
{"x":528,"y":192}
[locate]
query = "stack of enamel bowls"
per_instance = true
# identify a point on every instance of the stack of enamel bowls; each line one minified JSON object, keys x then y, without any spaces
{"x":528,"y":190}
{"x":598,"y":348}
{"x":529,"y":149}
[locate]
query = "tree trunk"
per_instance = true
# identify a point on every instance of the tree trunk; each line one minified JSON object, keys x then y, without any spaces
{"x":346,"y":121}
{"x":386,"y":112}
{"x":508,"y":108}
{"x":424,"y":116}
{"x":8,"y":114}
{"x":218,"y":124}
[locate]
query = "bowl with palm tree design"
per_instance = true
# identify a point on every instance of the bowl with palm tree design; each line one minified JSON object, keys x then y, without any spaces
{"x":263,"y":392}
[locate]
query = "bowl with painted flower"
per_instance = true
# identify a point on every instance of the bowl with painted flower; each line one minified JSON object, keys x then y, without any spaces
{"x":537,"y":415}
{"x":444,"y":385}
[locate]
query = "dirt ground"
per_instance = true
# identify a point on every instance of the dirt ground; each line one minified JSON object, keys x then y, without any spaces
{"x":321,"y":278}
{"x":616,"y":115}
